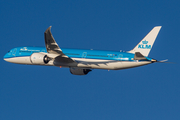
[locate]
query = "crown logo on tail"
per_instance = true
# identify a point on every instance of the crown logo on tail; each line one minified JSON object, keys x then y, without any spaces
{"x":145,"y":42}
{"x":144,"y":45}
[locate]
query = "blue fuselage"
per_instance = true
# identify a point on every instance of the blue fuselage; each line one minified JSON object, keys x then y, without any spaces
{"x":93,"y":59}
{"x":73,"y":53}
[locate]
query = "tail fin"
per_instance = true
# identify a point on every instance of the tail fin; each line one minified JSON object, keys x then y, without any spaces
{"x":145,"y":45}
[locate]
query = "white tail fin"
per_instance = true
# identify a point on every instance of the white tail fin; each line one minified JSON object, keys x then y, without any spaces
{"x":144,"y":47}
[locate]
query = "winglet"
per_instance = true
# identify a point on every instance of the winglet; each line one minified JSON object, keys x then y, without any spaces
{"x":145,"y":45}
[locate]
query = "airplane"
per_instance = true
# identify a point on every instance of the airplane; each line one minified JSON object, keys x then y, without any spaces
{"x":82,"y":61}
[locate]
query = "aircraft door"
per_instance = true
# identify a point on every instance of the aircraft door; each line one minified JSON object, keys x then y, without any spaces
{"x":120,"y":56}
{"x":84,"y":54}
{"x":14,"y":52}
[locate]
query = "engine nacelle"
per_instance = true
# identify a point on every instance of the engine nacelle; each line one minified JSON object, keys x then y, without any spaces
{"x":79,"y":71}
{"x":39,"y":58}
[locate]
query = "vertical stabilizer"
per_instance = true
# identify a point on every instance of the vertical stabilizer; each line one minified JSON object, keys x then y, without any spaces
{"x":145,"y":45}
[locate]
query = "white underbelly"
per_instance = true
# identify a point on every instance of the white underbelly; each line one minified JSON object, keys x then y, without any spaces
{"x":19,"y":60}
{"x":109,"y":64}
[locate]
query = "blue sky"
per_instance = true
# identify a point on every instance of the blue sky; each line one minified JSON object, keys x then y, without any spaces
{"x":43,"y":93}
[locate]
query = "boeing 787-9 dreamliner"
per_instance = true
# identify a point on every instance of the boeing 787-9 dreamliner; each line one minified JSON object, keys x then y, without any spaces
{"x":82,"y":61}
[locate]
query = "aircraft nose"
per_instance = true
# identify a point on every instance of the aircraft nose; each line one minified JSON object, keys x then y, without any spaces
{"x":6,"y":60}
{"x":6,"y":56}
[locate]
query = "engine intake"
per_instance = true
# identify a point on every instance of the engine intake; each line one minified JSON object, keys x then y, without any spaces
{"x":39,"y":59}
{"x":79,"y":71}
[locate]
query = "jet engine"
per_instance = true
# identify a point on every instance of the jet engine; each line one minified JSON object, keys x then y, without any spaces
{"x":79,"y":71}
{"x":39,"y":59}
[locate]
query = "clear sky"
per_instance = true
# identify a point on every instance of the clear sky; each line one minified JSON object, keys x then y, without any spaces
{"x":149,"y":92}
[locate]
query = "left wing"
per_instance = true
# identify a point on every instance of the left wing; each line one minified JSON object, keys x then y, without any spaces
{"x":51,"y":45}
{"x":53,"y":48}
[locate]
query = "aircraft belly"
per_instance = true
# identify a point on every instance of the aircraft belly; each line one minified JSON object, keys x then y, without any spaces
{"x":85,"y":60}
{"x":97,"y":63}
{"x":110,"y":65}
{"x":96,"y":66}
{"x":129,"y":64}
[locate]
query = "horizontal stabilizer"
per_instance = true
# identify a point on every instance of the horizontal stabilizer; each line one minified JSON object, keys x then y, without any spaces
{"x":139,"y":56}
{"x":165,"y":61}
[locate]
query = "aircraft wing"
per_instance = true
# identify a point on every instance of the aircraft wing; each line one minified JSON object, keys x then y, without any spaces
{"x":51,"y":45}
{"x":53,"y":48}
